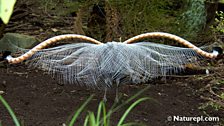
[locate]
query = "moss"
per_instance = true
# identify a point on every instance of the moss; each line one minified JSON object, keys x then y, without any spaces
{"x":148,"y":15}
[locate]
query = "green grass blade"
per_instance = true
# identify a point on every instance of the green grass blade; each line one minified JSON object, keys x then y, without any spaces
{"x":129,"y":109}
{"x":107,"y":117}
{"x":99,"y":112}
{"x":86,"y":120}
{"x":79,"y":111}
{"x":136,"y":95}
{"x":92,"y":119}
{"x":10,"y":111}
{"x":105,"y":122}
{"x":100,"y":109}
{"x":114,"y":109}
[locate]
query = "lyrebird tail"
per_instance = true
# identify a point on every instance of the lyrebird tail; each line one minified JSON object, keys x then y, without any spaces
{"x":100,"y":65}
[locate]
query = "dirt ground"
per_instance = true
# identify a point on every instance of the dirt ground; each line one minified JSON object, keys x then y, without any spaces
{"x":38,"y":100}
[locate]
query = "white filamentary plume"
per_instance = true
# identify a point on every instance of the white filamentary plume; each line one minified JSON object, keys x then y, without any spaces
{"x":102,"y":65}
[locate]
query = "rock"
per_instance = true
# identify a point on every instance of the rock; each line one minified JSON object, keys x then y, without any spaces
{"x":13,"y":41}
{"x":2,"y":92}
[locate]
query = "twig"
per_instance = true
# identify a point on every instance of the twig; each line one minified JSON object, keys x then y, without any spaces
{"x":212,"y":92}
{"x":212,"y":100}
{"x":16,"y":27}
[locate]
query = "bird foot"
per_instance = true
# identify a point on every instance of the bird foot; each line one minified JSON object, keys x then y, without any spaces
{"x":116,"y":99}
{"x":104,"y":99}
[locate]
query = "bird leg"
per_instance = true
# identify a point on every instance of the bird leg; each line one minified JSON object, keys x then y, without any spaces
{"x":117,"y":95}
{"x":164,"y":79}
{"x":105,"y":95}
{"x":117,"y":91}
{"x":107,"y":81}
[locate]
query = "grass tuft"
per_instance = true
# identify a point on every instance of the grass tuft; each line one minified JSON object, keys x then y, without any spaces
{"x":102,"y":117}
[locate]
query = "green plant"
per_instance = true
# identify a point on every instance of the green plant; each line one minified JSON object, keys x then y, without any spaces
{"x":120,"y":123}
{"x":10,"y":111}
{"x":214,"y":96}
{"x":221,"y":1}
{"x":218,"y":28}
{"x":193,"y":19}
{"x":6,"y":9}
{"x":79,"y":111}
{"x":211,"y":104}
{"x":97,"y":120}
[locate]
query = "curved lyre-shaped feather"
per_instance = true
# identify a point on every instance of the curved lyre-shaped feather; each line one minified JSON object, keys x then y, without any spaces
{"x":172,"y":37}
{"x":48,"y":42}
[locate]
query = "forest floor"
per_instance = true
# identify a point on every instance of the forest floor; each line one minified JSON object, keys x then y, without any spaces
{"x":38,"y":100}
